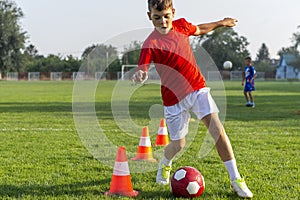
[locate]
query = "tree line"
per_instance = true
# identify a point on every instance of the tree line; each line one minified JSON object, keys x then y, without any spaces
{"x":222,"y":44}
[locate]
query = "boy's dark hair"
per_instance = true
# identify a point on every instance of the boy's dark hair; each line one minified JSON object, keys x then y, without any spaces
{"x":248,"y":58}
{"x":160,"y":4}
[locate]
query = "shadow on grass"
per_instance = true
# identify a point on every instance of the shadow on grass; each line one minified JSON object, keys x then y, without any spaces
{"x":91,"y":188}
{"x":158,"y":194}
{"x":266,"y":108}
{"x":23,"y":107}
{"x":75,"y":189}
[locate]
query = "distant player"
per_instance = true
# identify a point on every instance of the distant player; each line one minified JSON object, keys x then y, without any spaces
{"x":183,"y":86}
{"x":249,"y":74}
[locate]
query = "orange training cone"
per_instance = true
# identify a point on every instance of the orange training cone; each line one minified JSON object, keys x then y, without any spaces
{"x":162,"y":138}
{"x":121,"y":180}
{"x":145,"y":150}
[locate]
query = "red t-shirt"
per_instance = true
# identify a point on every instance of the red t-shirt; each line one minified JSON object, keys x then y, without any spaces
{"x":174,"y":61}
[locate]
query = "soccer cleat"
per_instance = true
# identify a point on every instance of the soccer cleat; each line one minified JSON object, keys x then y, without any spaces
{"x":163,"y":175}
{"x":253,"y":105}
{"x":248,"y":104}
{"x":240,"y":187}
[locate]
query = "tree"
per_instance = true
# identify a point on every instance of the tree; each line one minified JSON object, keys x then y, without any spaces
{"x":296,"y":39}
{"x":31,"y":50}
{"x":12,"y":38}
{"x":87,"y":51}
{"x":29,"y":57}
{"x":101,"y":58}
{"x":224,"y":44}
{"x":71,"y":64}
{"x":262,"y":62}
{"x":132,"y":53}
{"x":293,"y":49}
{"x":296,"y":64}
{"x":52,"y":63}
{"x":288,"y":50}
{"x":264,"y":66}
{"x":263,"y":53}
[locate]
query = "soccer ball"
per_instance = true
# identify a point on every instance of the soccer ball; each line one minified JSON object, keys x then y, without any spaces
{"x":187,"y":182}
{"x":227,"y":65}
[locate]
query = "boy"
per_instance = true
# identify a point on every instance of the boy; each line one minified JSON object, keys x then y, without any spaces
{"x":183,"y":86}
{"x":249,"y":74}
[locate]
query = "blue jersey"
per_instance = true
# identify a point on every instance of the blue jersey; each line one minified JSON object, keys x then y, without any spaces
{"x":249,"y":74}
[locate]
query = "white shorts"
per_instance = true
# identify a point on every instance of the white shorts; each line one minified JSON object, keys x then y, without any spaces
{"x":178,"y":115}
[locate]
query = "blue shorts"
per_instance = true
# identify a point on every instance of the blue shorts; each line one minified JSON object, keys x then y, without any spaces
{"x":249,"y":87}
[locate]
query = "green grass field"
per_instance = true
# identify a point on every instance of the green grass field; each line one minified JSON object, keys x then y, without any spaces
{"x":42,"y":156}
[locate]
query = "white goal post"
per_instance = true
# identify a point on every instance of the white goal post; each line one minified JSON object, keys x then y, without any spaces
{"x":33,"y":76}
{"x":237,"y":76}
{"x":100,"y":76}
{"x":56,"y":76}
{"x":214,"y":76}
{"x":126,"y":72}
{"x":12,"y":76}
{"x":126,"y":68}
{"x":78,"y":76}
{"x":260,"y":76}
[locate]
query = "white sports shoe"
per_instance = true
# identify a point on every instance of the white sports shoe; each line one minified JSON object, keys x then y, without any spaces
{"x":163,"y":174}
{"x":240,"y":187}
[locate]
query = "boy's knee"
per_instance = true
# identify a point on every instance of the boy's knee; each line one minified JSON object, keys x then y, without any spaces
{"x":179,"y":145}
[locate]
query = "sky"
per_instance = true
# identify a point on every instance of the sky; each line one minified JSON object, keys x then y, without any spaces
{"x":69,"y":26}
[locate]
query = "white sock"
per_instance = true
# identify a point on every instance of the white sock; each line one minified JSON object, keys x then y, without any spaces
{"x":166,"y":162}
{"x":232,"y":169}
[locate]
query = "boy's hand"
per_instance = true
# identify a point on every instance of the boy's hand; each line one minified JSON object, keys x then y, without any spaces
{"x":139,"y":77}
{"x":229,"y":22}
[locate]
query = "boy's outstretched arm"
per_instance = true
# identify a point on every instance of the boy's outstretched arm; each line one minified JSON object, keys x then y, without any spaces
{"x":208,"y":27}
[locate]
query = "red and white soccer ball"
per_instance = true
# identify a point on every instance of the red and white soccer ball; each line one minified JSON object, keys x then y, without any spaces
{"x":187,"y":182}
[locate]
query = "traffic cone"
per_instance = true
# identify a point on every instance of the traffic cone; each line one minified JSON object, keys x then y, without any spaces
{"x":121,"y":180}
{"x":144,"y":150}
{"x":162,"y":138}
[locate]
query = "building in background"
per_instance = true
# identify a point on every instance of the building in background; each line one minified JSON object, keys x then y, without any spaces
{"x":286,"y":68}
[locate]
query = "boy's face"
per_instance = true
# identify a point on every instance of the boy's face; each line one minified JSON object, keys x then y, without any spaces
{"x":248,"y":62}
{"x":162,"y":20}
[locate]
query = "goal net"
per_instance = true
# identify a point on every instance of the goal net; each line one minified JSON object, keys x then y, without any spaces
{"x":56,"y":76}
{"x":78,"y":76}
{"x":213,"y":76}
{"x":260,"y":76}
{"x":237,"y":76}
{"x":12,"y":76}
{"x":128,"y":71}
{"x":100,"y":76}
{"x":33,"y":76}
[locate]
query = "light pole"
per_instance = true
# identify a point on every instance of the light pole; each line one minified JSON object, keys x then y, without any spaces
{"x":106,"y":59}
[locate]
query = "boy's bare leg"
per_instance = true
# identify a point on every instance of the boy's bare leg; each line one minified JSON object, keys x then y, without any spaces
{"x":224,"y":148}
{"x":251,"y":97}
{"x":173,"y":148}
{"x":246,"y":96}
{"x":216,"y":129}
{"x":164,"y":168}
